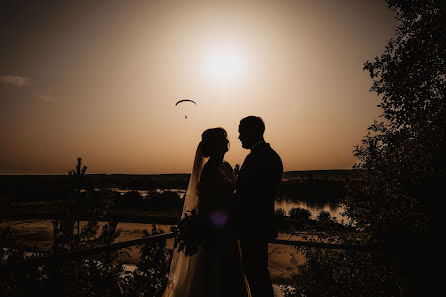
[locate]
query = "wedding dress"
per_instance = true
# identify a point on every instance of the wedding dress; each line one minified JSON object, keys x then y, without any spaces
{"x":215,"y":270}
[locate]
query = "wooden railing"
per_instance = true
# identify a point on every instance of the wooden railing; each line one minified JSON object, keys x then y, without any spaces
{"x":126,"y":244}
{"x":90,"y":251}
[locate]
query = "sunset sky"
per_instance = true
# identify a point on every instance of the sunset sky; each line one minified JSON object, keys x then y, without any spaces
{"x":100,"y":79}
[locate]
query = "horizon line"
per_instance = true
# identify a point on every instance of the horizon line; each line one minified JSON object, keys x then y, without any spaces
{"x":177,"y":173}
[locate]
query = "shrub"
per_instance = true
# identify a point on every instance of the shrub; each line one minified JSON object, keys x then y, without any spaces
{"x":280,"y":212}
{"x":298,"y":212}
{"x":132,"y":197}
{"x":324,"y":216}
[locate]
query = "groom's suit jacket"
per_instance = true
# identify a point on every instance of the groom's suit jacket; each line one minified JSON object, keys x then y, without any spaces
{"x":257,"y":184}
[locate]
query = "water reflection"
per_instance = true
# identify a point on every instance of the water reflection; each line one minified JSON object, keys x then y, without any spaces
{"x":315,"y":208}
{"x":144,"y":193}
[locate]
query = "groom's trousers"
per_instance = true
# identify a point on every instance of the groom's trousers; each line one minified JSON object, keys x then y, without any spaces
{"x":255,"y":265}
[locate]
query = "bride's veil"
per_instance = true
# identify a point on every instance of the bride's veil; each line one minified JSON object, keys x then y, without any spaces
{"x":182,"y":267}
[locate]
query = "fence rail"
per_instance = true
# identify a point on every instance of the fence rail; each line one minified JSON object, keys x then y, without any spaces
{"x":91,"y":251}
{"x":126,"y":244}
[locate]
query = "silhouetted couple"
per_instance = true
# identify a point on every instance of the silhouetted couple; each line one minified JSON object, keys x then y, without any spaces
{"x":233,"y":260}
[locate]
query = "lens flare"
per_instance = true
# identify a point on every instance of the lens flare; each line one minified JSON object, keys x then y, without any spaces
{"x":219,"y":218}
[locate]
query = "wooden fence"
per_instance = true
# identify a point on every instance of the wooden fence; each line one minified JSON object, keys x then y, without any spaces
{"x":126,"y":244}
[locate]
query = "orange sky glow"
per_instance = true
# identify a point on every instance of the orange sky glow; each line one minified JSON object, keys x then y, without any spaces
{"x":100,"y":79}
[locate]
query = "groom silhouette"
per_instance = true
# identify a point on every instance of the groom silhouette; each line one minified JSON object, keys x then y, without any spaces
{"x":257,"y":184}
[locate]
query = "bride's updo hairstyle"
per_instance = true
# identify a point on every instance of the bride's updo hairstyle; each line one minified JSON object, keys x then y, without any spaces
{"x":210,"y":140}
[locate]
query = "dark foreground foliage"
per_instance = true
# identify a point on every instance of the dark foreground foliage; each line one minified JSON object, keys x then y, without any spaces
{"x":150,"y":276}
{"x":100,"y":274}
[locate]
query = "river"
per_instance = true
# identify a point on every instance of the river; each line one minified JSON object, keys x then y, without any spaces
{"x":335,"y":210}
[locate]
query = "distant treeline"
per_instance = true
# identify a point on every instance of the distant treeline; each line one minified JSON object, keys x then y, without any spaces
{"x":338,"y":174}
{"x":152,"y":201}
{"x":55,"y":187}
{"x":317,"y":185}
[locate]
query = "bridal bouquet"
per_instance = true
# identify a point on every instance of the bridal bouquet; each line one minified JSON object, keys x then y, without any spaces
{"x":190,"y":233}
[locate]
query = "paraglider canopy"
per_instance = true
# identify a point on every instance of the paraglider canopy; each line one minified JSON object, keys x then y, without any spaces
{"x":185,"y":100}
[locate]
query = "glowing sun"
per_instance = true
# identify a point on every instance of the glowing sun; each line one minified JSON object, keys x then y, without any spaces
{"x":224,"y":64}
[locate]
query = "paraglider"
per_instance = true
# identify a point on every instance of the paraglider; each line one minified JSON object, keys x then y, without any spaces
{"x":185,"y":100}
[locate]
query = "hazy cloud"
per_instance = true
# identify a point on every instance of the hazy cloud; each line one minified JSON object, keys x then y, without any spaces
{"x":47,"y":99}
{"x":14,"y":80}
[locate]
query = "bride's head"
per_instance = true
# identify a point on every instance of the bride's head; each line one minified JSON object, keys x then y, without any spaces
{"x":215,"y":142}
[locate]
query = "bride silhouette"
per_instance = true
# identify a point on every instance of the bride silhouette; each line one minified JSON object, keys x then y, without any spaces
{"x":215,"y":269}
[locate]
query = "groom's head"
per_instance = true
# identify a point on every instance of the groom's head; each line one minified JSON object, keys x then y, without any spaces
{"x":251,"y":131}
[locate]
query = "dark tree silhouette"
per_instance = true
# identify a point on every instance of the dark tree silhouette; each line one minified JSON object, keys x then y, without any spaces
{"x":404,"y":153}
{"x":78,"y":173}
{"x":402,"y":160}
{"x":78,"y":180}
